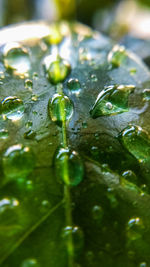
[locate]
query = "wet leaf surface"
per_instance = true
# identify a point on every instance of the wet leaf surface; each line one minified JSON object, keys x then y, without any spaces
{"x":110,"y":213}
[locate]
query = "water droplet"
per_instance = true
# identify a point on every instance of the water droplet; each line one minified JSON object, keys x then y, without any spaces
{"x":74,"y":85}
{"x":29,"y":124}
{"x":8,"y":203}
{"x":112,"y":198}
{"x":84,"y":54}
{"x":109,"y":105}
{"x":12,"y":108}
{"x":16,"y":58}
{"x":29,"y":184}
{"x":77,"y":237}
{"x":55,"y":37}
{"x":28,"y":84}
{"x":1,"y":82}
{"x":30,"y":263}
{"x":133,"y":71}
{"x":9,"y":217}
{"x":135,"y":228}
{"x":58,"y":70}
{"x":34,"y":112}
{"x":94,"y":78}
{"x":130,"y":176}
{"x":96,"y":136}
{"x":18,"y":162}
{"x":3,"y":134}
{"x":94,"y":152}
{"x":144,"y":189}
{"x":35,"y":76}
{"x":45,"y":206}
{"x":112,"y":100}
{"x":2,"y":75}
{"x":84,"y":124}
{"x":143,"y":264}
{"x":97,"y":213}
{"x":137,"y":141}
{"x":34,"y":97}
{"x":60,"y":108}
{"x":146,"y":94}
{"x":117,"y":56}
{"x":69,"y":166}
{"x":29,"y":134}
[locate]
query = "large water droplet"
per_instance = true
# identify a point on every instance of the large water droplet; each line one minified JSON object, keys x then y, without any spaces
{"x":60,"y":108}
{"x":117,"y":56}
{"x":12,"y":108}
{"x":112,"y":100}
{"x":137,"y":141}
{"x":18,"y":162}
{"x":16,"y":58}
{"x":77,"y":237}
{"x":30,"y":263}
{"x":58,"y":70}
{"x":69,"y":166}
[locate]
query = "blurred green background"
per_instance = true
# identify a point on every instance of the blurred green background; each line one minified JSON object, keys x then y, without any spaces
{"x":113,"y":17}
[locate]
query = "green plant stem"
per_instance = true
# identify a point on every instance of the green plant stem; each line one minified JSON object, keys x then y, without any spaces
{"x":67,"y":195}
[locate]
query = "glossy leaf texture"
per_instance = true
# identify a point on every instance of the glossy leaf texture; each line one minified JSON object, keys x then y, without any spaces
{"x":107,"y":156}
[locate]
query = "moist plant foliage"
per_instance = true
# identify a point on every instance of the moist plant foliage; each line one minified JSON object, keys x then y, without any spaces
{"x":74,"y":151}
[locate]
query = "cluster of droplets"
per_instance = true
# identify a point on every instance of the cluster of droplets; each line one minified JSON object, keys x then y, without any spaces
{"x":60,"y":109}
{"x":68,"y":164}
{"x":18,"y":161}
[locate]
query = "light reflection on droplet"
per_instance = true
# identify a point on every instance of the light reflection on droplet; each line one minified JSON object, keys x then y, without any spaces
{"x":16,"y":58}
{"x":12,"y":108}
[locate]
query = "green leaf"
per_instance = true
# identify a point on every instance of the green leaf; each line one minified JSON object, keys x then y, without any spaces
{"x":73,"y":191}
